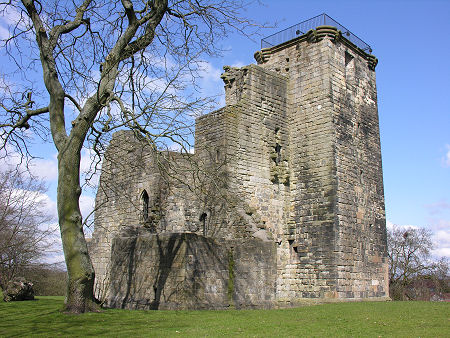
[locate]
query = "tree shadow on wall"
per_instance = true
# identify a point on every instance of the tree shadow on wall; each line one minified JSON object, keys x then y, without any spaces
{"x":167,"y":254}
{"x":200,"y":257}
{"x":179,"y":270}
{"x":135,"y":271}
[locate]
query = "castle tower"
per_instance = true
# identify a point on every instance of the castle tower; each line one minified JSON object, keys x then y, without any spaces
{"x":301,"y":135}
{"x":337,"y":198}
{"x":282,"y":201}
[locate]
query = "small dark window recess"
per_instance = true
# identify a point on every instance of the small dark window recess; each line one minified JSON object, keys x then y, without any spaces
{"x":145,"y":201}
{"x":287,"y":59}
{"x":348,"y":58}
{"x":202,"y":219}
{"x":361,"y":180}
{"x":278,"y":151}
{"x":295,"y":249}
{"x":291,"y":241}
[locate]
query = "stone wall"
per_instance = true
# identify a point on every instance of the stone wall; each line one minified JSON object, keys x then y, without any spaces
{"x":337,"y":248}
{"x":188,"y":271}
{"x":132,"y":169}
{"x":307,"y":252}
{"x":251,"y":136}
{"x":362,"y":268}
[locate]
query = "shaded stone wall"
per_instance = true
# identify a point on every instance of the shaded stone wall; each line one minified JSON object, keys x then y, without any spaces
{"x":362,"y":267}
{"x":188,"y":271}
{"x":131,"y":167}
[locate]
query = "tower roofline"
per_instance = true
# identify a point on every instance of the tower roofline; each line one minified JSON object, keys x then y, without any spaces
{"x":316,"y":35}
{"x":304,"y":27}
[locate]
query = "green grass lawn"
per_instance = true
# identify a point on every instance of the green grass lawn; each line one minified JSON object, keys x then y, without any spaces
{"x":42,"y":317}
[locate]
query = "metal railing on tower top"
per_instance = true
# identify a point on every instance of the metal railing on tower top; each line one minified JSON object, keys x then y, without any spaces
{"x":304,"y":26}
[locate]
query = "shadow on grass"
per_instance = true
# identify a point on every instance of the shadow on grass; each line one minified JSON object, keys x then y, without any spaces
{"x":405,"y":319}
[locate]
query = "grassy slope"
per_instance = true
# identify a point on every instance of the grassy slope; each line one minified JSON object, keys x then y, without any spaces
{"x":371,"y":319}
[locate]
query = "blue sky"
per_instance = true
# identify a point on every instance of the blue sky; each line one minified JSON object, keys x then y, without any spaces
{"x":411,"y":42}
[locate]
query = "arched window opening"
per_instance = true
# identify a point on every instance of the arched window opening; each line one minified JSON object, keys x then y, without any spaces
{"x":145,"y":201}
{"x":203,"y":220}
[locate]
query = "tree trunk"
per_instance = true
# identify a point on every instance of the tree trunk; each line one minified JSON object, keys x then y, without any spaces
{"x":80,"y":287}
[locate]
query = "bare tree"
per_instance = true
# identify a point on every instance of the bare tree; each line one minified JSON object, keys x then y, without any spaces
{"x":410,"y":259}
{"x":25,"y":235}
{"x":105,"y":65}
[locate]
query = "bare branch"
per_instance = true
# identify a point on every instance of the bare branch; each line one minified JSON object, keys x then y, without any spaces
{"x":68,"y":27}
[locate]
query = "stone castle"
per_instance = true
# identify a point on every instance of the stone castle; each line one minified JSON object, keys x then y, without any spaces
{"x":282,"y":202}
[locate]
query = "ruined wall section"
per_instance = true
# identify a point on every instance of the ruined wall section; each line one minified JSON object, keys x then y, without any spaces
{"x":212,"y":179}
{"x":250,"y":136}
{"x":362,"y":264}
{"x":257,"y":138}
{"x":169,"y":271}
{"x":294,"y":160}
{"x":130,"y":168}
{"x":118,"y":198}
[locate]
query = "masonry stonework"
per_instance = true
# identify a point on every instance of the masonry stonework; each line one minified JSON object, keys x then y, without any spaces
{"x":282,"y":202}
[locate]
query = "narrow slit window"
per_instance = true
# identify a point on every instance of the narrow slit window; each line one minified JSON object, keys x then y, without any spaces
{"x":203,"y":220}
{"x":145,"y":201}
{"x":278,"y":152}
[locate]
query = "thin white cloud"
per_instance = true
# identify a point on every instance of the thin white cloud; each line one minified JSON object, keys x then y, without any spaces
{"x":87,"y":204}
{"x":209,"y":73}
{"x":4,"y":33}
{"x":49,"y":205}
{"x":439,"y":223}
{"x":11,"y":17}
{"x":446,"y":157}
{"x":390,"y":226}
{"x":210,"y":84}
{"x":90,"y":171}
{"x":440,"y":237}
{"x":238,"y":64}
{"x":441,"y":240}
{"x":438,"y":207}
{"x":442,"y":252}
{"x":45,"y":169}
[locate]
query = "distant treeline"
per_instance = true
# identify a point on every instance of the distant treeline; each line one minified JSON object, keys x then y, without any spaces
{"x":47,"y":280}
